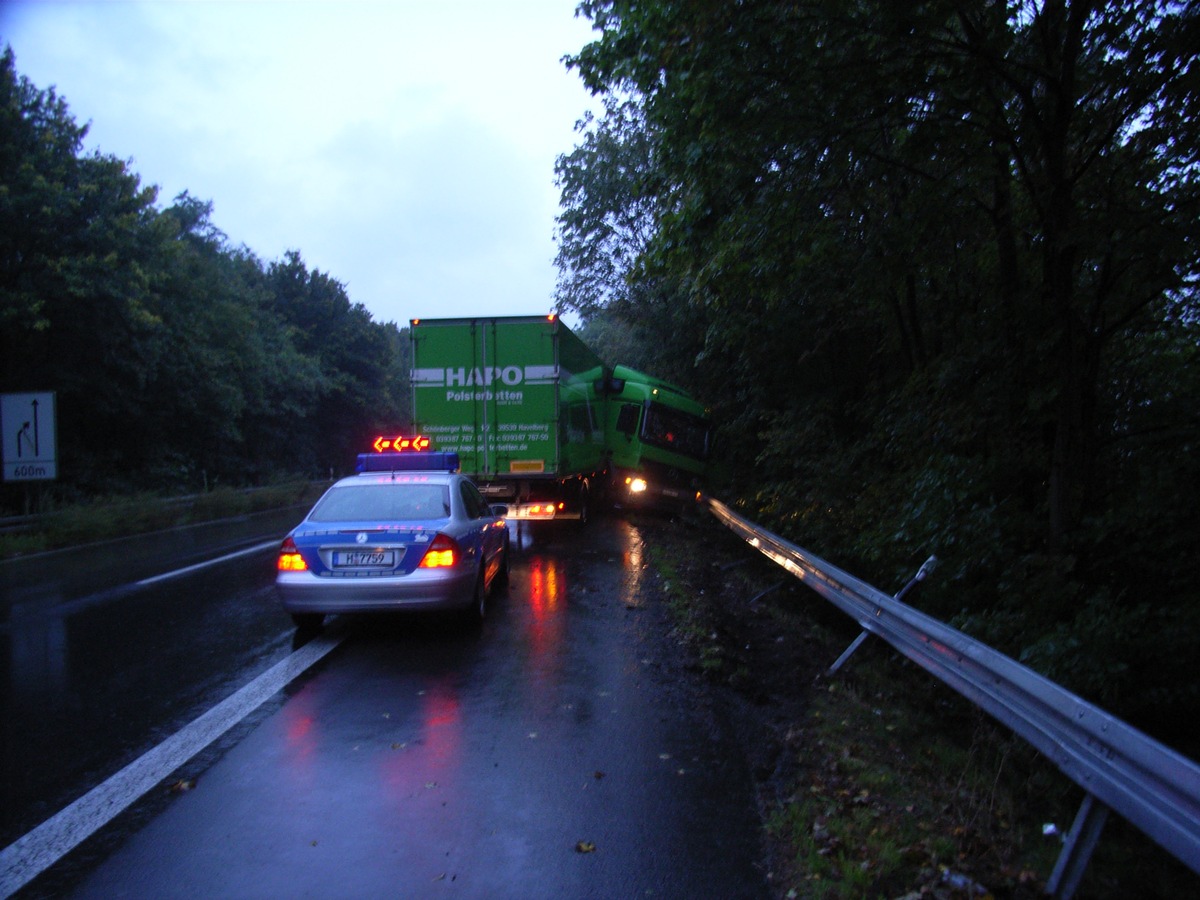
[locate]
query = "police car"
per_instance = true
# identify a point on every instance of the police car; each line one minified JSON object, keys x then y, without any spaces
{"x":407,"y":533}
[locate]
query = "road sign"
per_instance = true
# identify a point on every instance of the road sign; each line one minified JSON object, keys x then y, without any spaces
{"x":29,"y":435}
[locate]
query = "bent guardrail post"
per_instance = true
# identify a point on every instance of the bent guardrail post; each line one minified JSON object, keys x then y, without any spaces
{"x":848,"y":652}
{"x":928,"y":566}
{"x":1147,"y":783}
{"x":765,"y":591}
{"x":926,"y":569}
{"x":1077,"y":851}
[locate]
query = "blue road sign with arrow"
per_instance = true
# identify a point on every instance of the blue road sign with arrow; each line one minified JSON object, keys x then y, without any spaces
{"x":29,"y":435}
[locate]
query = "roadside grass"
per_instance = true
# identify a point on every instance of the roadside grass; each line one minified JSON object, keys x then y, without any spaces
{"x":882,"y":782}
{"x":691,"y":625}
{"x":114,"y":517}
{"x":904,"y":794}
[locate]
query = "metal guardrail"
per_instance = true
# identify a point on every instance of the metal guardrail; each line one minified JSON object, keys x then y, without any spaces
{"x":1119,"y":768}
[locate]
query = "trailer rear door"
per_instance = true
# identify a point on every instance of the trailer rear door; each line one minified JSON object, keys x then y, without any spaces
{"x":487,"y":389}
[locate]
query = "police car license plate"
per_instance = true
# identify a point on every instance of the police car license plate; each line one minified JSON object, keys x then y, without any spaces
{"x":347,"y":559}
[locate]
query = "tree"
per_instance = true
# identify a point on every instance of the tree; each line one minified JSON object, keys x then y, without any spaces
{"x":177,"y":360}
{"x":609,"y":209}
{"x":944,"y":259}
{"x":74,"y":275}
{"x":360,"y":392}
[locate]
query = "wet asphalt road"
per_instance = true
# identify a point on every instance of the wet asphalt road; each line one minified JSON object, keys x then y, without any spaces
{"x":551,"y":753}
{"x":95,"y":670}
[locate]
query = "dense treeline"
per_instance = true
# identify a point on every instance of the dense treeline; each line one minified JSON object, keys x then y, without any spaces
{"x":935,"y":265}
{"x":179,"y":360}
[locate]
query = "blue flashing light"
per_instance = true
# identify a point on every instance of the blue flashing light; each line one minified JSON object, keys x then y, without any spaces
{"x":432,"y":461}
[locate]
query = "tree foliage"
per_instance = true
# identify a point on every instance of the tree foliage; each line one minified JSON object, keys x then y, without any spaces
{"x":177,"y":359}
{"x":938,"y":263}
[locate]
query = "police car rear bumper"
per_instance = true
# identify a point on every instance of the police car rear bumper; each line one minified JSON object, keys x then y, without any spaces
{"x":303,"y":592}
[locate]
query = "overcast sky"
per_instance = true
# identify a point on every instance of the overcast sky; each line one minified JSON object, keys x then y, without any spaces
{"x":405,"y":148}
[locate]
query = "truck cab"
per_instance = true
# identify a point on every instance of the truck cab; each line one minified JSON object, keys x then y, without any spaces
{"x":658,"y":438}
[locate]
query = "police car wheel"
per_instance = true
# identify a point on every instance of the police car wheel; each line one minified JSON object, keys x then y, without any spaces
{"x":308,"y":621}
{"x":505,"y":563}
{"x":479,"y":607}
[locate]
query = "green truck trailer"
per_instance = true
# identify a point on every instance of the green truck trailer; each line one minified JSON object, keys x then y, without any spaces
{"x":515,"y":397}
{"x":541,"y":424}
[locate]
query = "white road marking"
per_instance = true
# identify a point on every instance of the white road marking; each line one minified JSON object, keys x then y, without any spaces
{"x":30,"y":855}
{"x":257,"y":548}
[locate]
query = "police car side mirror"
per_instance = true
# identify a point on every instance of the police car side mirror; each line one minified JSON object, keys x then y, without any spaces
{"x":499,"y":509}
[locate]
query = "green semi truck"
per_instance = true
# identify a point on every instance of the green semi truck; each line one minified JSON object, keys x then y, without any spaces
{"x":541,"y":424}
{"x":657,"y":439}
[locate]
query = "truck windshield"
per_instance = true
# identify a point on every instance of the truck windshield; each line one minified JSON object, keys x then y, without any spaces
{"x":675,"y":430}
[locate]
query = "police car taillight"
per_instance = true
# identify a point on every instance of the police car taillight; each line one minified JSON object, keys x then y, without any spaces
{"x":442,"y":553}
{"x":290,"y":559}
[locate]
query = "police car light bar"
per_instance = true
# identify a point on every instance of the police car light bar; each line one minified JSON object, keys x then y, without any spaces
{"x":400,"y":444}
{"x":408,"y":461}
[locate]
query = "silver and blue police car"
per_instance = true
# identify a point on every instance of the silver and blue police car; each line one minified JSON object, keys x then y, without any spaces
{"x":407,"y":533}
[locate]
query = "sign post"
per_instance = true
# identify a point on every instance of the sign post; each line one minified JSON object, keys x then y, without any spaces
{"x":29,"y":437}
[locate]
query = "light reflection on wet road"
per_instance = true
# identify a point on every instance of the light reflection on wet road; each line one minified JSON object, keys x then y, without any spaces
{"x":93,"y":672}
{"x":420,"y":758}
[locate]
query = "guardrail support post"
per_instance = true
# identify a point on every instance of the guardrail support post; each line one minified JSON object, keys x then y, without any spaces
{"x":1077,"y":851}
{"x":1151,"y":786}
{"x":926,"y":567}
{"x":848,"y":652}
{"x":764,"y":593}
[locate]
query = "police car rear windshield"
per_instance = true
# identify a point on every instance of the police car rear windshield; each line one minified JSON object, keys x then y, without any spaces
{"x":383,"y":503}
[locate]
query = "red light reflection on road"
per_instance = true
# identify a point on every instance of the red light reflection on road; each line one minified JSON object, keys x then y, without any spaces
{"x":300,"y":729}
{"x":545,"y":598}
{"x":545,"y":630}
{"x":442,"y":725}
{"x":428,"y":760}
{"x":543,"y":588}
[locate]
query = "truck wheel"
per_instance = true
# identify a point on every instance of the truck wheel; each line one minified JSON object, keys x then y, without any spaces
{"x":584,"y":505}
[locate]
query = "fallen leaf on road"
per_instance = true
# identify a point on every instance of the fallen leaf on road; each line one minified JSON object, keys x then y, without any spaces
{"x":182,"y":786}
{"x":585,"y":847}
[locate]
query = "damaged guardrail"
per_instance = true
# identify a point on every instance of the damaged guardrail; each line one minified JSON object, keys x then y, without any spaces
{"x":1118,"y":767}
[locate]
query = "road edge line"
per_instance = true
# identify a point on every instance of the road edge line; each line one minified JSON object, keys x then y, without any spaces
{"x":37,"y":850}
